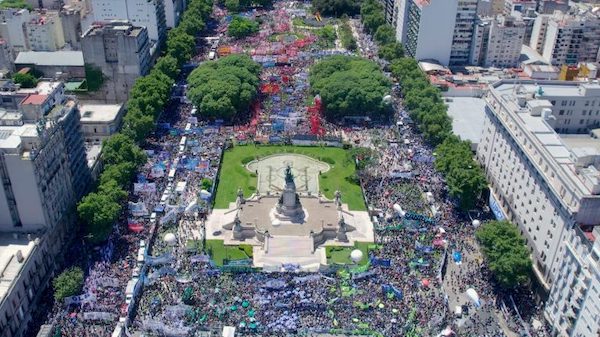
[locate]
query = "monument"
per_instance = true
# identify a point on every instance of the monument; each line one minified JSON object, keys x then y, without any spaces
{"x":286,"y":224}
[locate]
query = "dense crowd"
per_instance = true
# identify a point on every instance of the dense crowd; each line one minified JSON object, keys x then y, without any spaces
{"x":406,"y":289}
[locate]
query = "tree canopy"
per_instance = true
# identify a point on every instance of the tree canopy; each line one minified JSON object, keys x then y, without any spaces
{"x":371,"y":13}
{"x":121,"y":154}
{"x":350,"y":86}
{"x":241,"y":27}
{"x":68,"y":283}
{"x":224,"y":88}
{"x":505,"y":252}
{"x":25,"y":80}
{"x":336,"y":7}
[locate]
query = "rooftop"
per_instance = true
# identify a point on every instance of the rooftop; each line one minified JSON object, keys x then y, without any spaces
{"x":55,"y":58}
{"x":94,"y":113}
{"x":11,"y":263}
{"x":34,"y":99}
{"x":468,"y":114}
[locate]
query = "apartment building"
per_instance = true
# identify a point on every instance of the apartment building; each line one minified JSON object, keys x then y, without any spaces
{"x":143,"y":13}
{"x":121,"y":50}
{"x":571,"y":38}
{"x":522,"y":6}
{"x":541,"y":163}
{"x":538,"y":33}
{"x":70,"y":17}
{"x":550,"y":6}
{"x":426,"y":28}
{"x":44,"y":31}
{"x":573,"y":305}
{"x":43,"y":173}
{"x":497,"y":42}
{"x":466,"y":14}
{"x":25,"y":266}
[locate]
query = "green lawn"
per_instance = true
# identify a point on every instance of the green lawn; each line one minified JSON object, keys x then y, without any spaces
{"x":340,"y":176}
{"x":219,"y":252}
{"x":341,"y":255}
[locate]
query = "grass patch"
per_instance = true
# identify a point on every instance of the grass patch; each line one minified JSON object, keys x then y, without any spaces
{"x":219,"y":252}
{"x":341,"y":175}
{"x":341,"y":255}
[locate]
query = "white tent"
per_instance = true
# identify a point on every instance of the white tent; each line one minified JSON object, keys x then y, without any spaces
{"x":228,"y":331}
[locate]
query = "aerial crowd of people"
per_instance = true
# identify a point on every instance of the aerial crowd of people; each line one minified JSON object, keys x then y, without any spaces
{"x":154,"y":270}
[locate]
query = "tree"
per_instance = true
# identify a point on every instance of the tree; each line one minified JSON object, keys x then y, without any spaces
{"x":385,"y":34}
{"x":336,"y":8}
{"x":391,"y":51}
{"x":100,"y":213}
{"x":25,"y":80}
{"x":232,"y":5}
{"x":346,"y":36}
{"x":167,"y":65}
{"x":505,"y":252}
{"x":350,"y":86}
{"x":121,"y":173}
{"x":224,"y":88}
{"x":464,"y":176}
{"x":121,"y":149}
{"x":138,"y":125}
{"x":241,"y":27}
{"x":68,"y":283}
{"x":180,"y":45}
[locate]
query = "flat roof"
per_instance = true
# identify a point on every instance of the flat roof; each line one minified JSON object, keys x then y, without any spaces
{"x":468,"y":114}
{"x":10,"y":267}
{"x":51,"y":58}
{"x":94,"y":113}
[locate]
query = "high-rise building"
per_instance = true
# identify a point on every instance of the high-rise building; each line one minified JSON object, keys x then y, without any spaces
{"x":538,"y":33}
{"x":522,"y":6}
{"x":466,"y":13}
{"x":144,"y":13}
{"x":121,"y":50}
{"x":497,"y":42}
{"x":542,"y":158}
{"x":550,"y":6}
{"x":426,"y":28}
{"x":7,"y":61}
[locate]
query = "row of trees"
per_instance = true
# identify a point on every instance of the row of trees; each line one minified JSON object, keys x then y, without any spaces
{"x":350,"y":86}
{"x":384,"y":34}
{"x":121,"y":155}
{"x":502,"y":244}
{"x":224,"y":88}
{"x":240,"y":27}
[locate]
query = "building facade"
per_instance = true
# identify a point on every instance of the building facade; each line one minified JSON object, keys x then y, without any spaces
{"x":466,"y":14}
{"x":570,"y":39}
{"x":173,"y":11}
{"x":44,"y":31}
{"x":543,"y":176}
{"x":497,"y":42}
{"x":11,"y":28}
{"x":426,"y":28}
{"x":121,"y":51}
{"x":143,"y":13}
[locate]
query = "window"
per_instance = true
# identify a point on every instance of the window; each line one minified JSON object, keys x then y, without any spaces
{"x":561,"y":112}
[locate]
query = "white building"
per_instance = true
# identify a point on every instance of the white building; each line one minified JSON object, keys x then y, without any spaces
{"x":538,"y":33}
{"x":573,"y":305}
{"x":426,"y":28}
{"x":522,"y":6}
{"x":570,"y":39}
{"x":173,"y":11}
{"x":144,"y":13}
{"x":497,"y":42}
{"x":100,"y":121}
{"x":543,"y":179}
{"x":45,"y":32}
